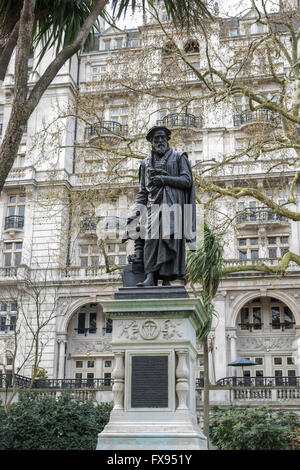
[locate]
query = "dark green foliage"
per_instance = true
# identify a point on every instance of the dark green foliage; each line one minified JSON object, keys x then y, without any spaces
{"x":254,"y":429}
{"x":205,"y":264}
{"x":52,"y":424}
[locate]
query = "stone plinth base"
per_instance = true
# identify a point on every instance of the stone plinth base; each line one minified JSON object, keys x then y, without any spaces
{"x":151,"y":442}
{"x":154,"y":343}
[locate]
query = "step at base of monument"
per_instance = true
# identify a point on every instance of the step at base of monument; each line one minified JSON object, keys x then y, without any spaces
{"x":151,"y":292}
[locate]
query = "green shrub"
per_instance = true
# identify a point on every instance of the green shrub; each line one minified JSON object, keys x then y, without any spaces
{"x":254,"y":429}
{"x":52,"y":424}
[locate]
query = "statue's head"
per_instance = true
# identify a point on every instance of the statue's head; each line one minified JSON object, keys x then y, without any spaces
{"x":159,"y":137}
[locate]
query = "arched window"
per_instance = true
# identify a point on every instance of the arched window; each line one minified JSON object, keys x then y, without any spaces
{"x":169,"y":47}
{"x":191,"y":46}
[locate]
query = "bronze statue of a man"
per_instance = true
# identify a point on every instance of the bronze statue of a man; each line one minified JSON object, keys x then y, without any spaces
{"x":167,"y":193}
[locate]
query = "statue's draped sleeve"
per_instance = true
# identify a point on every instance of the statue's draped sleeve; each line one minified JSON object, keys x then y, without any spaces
{"x":142,"y":196}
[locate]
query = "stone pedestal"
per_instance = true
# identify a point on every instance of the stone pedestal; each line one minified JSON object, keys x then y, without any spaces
{"x":154,"y":342}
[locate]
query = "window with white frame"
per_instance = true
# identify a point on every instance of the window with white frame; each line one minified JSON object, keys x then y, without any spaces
{"x":267,"y":314}
{"x":89,"y":255}
{"x":8,"y":316}
{"x":108,"y":326}
{"x":116,"y":254}
{"x":12,"y":252}
{"x":107,"y":44}
{"x":119,"y":43}
{"x":198,"y":152}
{"x":132,"y":41}
{"x":278,"y":246}
{"x":284,"y":369}
{"x":248,"y":248}
{"x":16,"y":206}
{"x":190,"y":73}
{"x":233,"y":32}
{"x":260,"y":28}
{"x":119,"y":114}
{"x":167,"y":107}
{"x":85,"y":370}
{"x":87,"y":320}
{"x":98,"y":73}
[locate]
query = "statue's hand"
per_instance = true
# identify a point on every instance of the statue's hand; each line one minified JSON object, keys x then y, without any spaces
{"x":158,"y":181}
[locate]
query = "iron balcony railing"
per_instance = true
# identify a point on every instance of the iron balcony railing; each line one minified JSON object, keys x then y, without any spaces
{"x":180,"y":120}
{"x":6,"y":381}
{"x":283,"y":325}
{"x":293,"y":381}
{"x":258,"y":214}
{"x":248,"y":116}
{"x":106,"y":128}
{"x":250,"y":326}
{"x":84,"y":331}
{"x":14,"y":221}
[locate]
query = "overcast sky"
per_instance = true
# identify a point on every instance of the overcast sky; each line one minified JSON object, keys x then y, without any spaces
{"x":227,"y":7}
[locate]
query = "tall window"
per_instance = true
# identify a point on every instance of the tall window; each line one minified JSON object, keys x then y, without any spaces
{"x":89,"y":255}
{"x":268,"y":314}
{"x":8,"y":316}
{"x":98,"y":73}
{"x":116,"y":254}
{"x":198,"y":151}
{"x":278,"y":246}
{"x":119,"y":114}
{"x":108,"y":325}
{"x":248,"y":248}
{"x":12,"y":253}
{"x":16,"y":209}
{"x":87,"y":320}
{"x":107,"y":44}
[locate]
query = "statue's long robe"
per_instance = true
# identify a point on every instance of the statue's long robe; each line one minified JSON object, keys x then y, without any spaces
{"x":165,"y":254}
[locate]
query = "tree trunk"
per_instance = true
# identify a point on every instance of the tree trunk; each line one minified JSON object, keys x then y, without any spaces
{"x":206,"y":392}
{"x":23,"y":105}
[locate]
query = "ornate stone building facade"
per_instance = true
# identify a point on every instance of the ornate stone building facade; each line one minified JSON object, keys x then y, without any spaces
{"x":46,"y":238}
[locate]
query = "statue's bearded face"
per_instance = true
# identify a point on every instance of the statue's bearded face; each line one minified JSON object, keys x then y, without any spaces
{"x":160,"y":142}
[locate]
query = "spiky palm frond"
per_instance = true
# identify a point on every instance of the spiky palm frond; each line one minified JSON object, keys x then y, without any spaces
{"x":204,"y":265}
{"x":57,"y":22}
{"x":206,"y":312}
{"x":59,"y":27}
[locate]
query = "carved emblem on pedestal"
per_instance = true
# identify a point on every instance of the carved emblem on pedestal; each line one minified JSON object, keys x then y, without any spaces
{"x":149,"y":330}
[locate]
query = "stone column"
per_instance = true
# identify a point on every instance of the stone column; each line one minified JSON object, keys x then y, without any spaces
{"x":298,"y":351}
{"x":211,"y":365}
{"x":232,"y":338}
{"x":61,"y":340}
{"x":182,"y":380}
{"x":119,"y":377}
{"x":100,"y":372}
{"x":220,"y":352}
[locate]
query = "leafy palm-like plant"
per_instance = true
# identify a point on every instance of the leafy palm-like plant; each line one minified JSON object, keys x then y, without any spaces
{"x":57,"y":22}
{"x":204,"y":267}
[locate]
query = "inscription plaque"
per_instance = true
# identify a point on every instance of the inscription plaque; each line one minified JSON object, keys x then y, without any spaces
{"x":149,"y":382}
